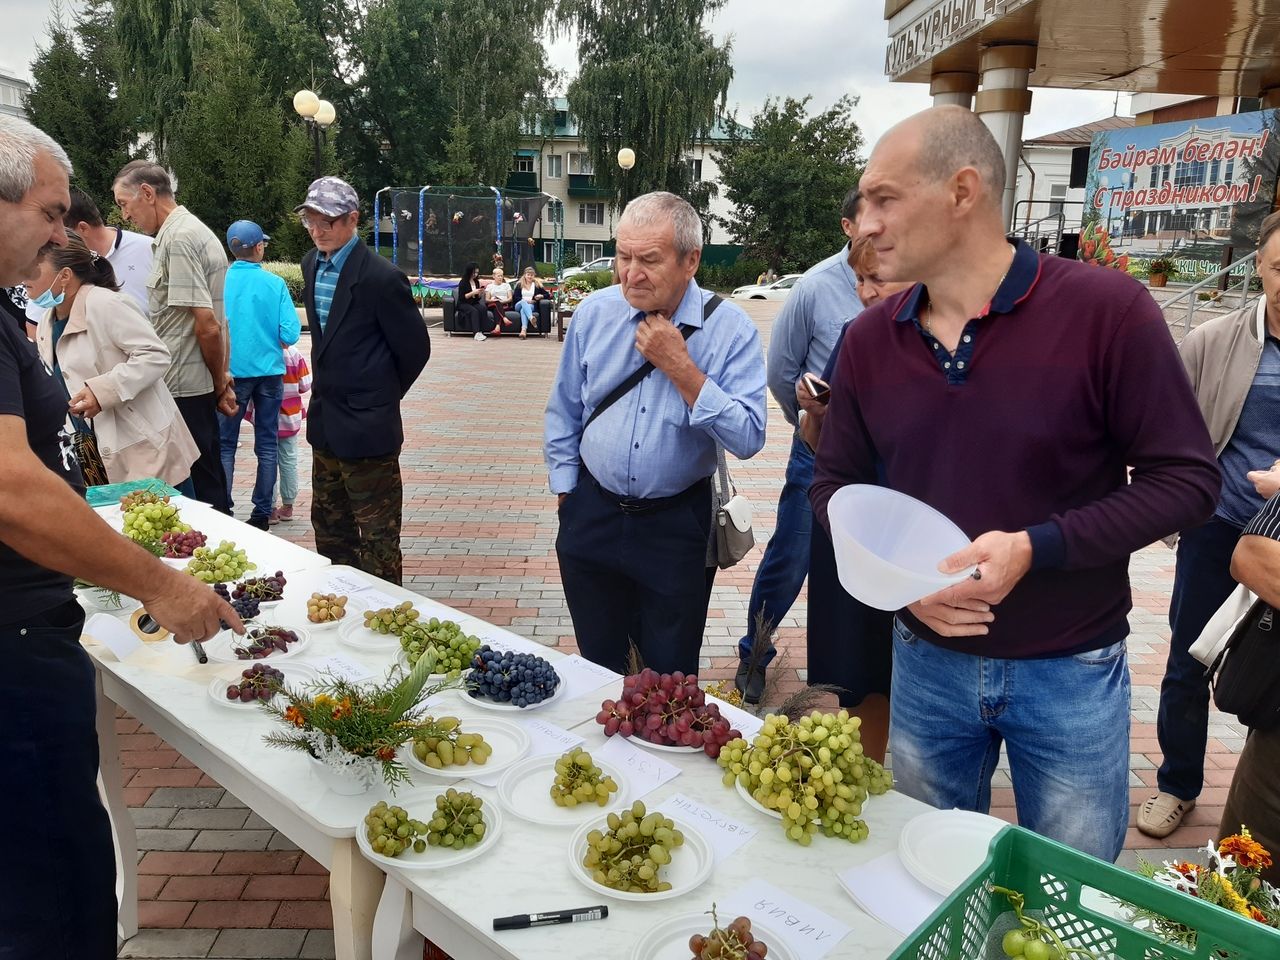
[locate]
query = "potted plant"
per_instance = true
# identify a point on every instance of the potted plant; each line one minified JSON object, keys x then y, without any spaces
{"x":1160,"y":271}
{"x":352,"y":731}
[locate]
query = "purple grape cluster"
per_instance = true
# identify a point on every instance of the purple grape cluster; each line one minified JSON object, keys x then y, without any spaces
{"x":264,"y":641}
{"x":262,"y":589}
{"x":247,"y":608}
{"x":180,"y":546}
{"x":258,"y":682}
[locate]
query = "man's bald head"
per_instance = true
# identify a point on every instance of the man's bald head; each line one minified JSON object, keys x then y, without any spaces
{"x":950,"y":138}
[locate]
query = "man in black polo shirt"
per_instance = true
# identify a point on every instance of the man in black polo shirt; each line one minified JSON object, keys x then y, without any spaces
{"x":1011,"y":392}
{"x":60,"y":903}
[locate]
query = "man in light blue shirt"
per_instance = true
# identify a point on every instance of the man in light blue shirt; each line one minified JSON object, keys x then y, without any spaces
{"x":634,"y":483}
{"x":261,"y":321}
{"x":806,"y":331}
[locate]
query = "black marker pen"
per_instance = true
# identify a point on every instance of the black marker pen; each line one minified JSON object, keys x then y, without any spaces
{"x":524,"y":920}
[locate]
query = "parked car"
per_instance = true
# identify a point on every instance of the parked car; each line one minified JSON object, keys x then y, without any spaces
{"x":778,"y":290}
{"x":600,"y":263}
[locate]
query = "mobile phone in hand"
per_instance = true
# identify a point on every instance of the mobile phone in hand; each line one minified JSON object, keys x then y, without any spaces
{"x":819,"y":390}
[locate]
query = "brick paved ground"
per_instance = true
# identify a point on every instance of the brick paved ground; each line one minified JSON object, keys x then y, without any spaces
{"x":479,"y":534}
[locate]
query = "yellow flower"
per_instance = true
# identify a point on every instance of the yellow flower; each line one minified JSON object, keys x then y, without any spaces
{"x":323,"y":700}
{"x":1246,"y":851}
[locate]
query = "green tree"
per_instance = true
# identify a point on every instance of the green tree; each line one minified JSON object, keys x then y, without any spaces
{"x":651,"y":78}
{"x":234,"y":153}
{"x":786,"y":178}
{"x":75,"y":97}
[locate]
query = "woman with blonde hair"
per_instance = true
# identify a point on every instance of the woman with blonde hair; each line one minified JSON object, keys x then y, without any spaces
{"x":111,"y":364}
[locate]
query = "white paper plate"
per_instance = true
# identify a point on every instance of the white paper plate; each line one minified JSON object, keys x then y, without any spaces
{"x":669,"y":940}
{"x":436,"y":858}
{"x":745,"y":794}
{"x":354,"y":634}
{"x":484,"y":703}
{"x":220,"y":647}
{"x":525,"y":790}
{"x":943,"y":847}
{"x":510,"y":743}
{"x":689,"y":868}
{"x":294,"y":674}
{"x":640,"y":741}
{"x":178,"y":563}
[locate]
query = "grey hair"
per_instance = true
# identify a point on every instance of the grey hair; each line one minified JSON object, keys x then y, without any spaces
{"x":20,"y":144}
{"x":137,"y":172}
{"x":954,"y":138}
{"x":659,"y":208}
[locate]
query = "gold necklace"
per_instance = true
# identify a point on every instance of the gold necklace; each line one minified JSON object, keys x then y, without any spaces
{"x":928,"y":319}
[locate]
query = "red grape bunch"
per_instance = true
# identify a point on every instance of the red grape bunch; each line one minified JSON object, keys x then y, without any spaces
{"x":264,"y":641}
{"x":258,"y":682}
{"x":180,"y":546}
{"x":734,"y":942}
{"x":263,"y":589}
{"x":668,"y":709}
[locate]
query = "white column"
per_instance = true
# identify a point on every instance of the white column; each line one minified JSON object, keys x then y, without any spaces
{"x":1002,"y":103}
{"x":955,"y":88}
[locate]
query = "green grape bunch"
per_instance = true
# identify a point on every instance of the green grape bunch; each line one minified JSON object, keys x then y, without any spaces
{"x":579,"y":780}
{"x":450,"y":746}
{"x":454,"y":649}
{"x":391,"y":620}
{"x":458,"y":822}
{"x":147,"y":521}
{"x":630,"y":854}
{"x":391,"y":831}
{"x":811,"y":771}
{"x":220,"y":564}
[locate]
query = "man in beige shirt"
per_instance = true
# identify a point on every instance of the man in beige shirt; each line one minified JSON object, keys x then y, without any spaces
{"x":185,"y":289}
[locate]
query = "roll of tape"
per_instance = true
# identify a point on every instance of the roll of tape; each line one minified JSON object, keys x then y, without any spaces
{"x":146,"y":628}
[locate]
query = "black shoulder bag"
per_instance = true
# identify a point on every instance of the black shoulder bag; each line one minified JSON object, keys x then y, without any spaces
{"x":646,"y":368}
{"x":1246,"y":675}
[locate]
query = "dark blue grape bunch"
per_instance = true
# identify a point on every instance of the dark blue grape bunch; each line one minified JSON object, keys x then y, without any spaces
{"x":247,"y":607}
{"x":517,"y":678}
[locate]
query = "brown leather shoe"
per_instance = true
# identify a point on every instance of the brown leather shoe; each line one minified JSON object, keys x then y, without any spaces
{"x":1162,"y":814}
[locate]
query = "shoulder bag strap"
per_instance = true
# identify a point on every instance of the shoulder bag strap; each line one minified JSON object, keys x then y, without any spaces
{"x":627,"y":385}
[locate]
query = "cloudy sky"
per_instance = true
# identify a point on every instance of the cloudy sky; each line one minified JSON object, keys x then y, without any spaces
{"x":837,"y":47}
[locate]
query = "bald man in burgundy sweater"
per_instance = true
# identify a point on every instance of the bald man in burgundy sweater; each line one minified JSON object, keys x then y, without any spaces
{"x":1014,"y":393}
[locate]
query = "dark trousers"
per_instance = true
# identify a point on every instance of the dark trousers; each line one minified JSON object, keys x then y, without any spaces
{"x":1254,"y":798}
{"x":207,"y":476}
{"x":356,"y":507}
{"x":1201,"y":584}
{"x":471,"y":316}
{"x":59,"y":900}
{"x":636,"y":577}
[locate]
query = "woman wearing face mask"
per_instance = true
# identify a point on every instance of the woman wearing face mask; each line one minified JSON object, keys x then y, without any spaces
{"x":112,"y":365}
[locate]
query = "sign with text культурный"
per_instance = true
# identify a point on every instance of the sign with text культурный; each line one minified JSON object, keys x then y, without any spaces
{"x":1152,"y":190}
{"x":944,"y":23}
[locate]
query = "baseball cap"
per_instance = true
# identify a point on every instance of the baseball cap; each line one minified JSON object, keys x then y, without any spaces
{"x":244,"y":234}
{"x":330,"y":196}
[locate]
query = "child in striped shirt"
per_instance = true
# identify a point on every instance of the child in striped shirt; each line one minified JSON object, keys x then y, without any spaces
{"x":297,"y":381}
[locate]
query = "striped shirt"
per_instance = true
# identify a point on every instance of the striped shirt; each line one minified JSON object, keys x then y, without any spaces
{"x":328,"y":269}
{"x":1267,"y":522}
{"x":297,"y":381}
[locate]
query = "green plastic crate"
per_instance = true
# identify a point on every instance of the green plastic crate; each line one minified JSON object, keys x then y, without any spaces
{"x":109,"y":493}
{"x":1051,"y":877}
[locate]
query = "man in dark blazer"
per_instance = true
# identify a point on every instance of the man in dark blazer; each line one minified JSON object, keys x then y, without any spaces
{"x":368,"y":346}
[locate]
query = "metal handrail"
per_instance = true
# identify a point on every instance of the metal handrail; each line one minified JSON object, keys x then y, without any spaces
{"x":1189,"y":293}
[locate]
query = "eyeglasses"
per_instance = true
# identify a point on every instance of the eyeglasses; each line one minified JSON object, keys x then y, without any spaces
{"x":315,"y":223}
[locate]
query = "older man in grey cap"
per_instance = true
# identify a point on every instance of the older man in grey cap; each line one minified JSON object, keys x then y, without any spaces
{"x":369,"y":344}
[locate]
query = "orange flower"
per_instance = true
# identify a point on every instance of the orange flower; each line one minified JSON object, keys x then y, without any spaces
{"x":1188,"y":870}
{"x":1246,"y":851}
{"x":294,"y":716}
{"x":342,"y":710}
{"x":1257,"y":914}
{"x":386,"y":753}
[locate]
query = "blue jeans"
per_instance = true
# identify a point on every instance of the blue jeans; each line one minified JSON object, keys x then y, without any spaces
{"x":267,"y":393}
{"x":527,"y":310}
{"x":1063,"y":720}
{"x":1201,"y":584}
{"x":786,"y":558}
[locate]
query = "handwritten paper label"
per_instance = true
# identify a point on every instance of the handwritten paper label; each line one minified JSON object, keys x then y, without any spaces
{"x":376,"y":600}
{"x":545,"y":739}
{"x":344,"y":667}
{"x":724,"y":834}
{"x":883,"y":888}
{"x":113,"y":635}
{"x":581,"y":676}
{"x":644,"y":771}
{"x":810,"y":933}
{"x":748,"y":724}
{"x":345,"y":582}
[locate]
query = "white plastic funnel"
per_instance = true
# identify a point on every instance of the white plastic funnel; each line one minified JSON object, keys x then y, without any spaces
{"x":888,"y":546}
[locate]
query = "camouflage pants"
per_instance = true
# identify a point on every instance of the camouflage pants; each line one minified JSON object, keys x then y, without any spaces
{"x":355,"y":509}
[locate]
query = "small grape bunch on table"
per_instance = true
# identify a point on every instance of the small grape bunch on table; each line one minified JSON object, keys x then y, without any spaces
{"x":326,"y":607}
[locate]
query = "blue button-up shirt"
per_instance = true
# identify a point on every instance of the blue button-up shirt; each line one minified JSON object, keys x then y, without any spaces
{"x":650,"y":443}
{"x":328,"y":267}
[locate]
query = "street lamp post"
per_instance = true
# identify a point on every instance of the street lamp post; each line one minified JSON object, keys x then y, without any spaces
{"x":319,"y":115}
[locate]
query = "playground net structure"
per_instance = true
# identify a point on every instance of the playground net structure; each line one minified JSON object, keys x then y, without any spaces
{"x":437,"y":230}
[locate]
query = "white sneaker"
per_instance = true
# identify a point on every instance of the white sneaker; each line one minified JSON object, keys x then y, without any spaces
{"x":480,"y":336}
